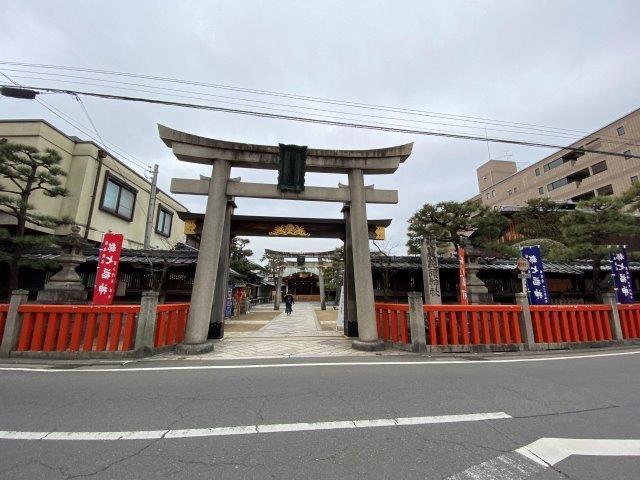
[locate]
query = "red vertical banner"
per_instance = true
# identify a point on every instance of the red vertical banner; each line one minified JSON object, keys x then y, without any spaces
{"x":104,"y":288}
{"x":464,"y":300}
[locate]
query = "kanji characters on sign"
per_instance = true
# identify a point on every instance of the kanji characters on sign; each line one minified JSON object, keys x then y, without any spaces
{"x":536,"y":282}
{"x":107,"y":273}
{"x":621,"y":276}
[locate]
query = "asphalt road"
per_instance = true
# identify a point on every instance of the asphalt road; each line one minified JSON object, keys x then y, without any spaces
{"x":579,"y":398}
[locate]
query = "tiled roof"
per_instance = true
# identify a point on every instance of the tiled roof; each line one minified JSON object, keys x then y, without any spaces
{"x":410,"y":262}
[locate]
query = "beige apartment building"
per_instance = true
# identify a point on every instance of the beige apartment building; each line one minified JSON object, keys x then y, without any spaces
{"x":104,"y":194}
{"x":568,"y":175}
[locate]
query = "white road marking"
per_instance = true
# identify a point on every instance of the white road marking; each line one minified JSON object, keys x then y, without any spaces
{"x":318,"y":364}
{"x":554,"y":450}
{"x":543,"y":453}
{"x":251,"y":429}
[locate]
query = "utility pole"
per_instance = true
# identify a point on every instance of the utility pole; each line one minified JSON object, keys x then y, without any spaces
{"x":152,"y":208}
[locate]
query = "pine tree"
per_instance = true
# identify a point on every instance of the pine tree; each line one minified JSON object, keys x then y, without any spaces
{"x":25,"y":171}
{"x":458,"y":223}
{"x":587,"y":232}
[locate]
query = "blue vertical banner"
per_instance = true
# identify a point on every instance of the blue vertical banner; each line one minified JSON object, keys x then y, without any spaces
{"x":621,"y":276}
{"x":536,"y":281}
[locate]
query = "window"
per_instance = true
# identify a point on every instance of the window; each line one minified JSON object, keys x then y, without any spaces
{"x":118,"y":197}
{"x":598,"y":167}
{"x":510,"y":191}
{"x":493,"y":193}
{"x":584,"y":196}
{"x":555,"y":163}
{"x":634,"y":180}
{"x":620,"y":130}
{"x":627,"y":154}
{"x":515,"y":189}
{"x":163,"y":221}
{"x":606,"y":190}
{"x":541,"y":190}
{"x":537,"y":172}
{"x":557,"y":184}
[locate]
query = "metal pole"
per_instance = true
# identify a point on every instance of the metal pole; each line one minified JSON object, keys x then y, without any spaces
{"x":152,"y":208}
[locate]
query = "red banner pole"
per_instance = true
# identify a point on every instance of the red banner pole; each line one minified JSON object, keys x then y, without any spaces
{"x":464,"y":299}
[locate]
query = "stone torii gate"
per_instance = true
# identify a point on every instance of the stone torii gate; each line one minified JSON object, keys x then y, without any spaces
{"x":291,"y":162}
{"x":282,"y":256}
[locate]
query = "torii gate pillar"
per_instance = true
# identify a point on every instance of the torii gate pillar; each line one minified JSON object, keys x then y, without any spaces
{"x":365,"y":308}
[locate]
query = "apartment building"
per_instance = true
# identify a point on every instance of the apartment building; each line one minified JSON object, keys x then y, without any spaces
{"x":104,"y":193}
{"x":568,"y":175}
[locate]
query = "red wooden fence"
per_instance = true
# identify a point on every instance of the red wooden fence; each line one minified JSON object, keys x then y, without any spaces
{"x":571,"y":323}
{"x":473,"y":324}
{"x":392,"y":320}
{"x":171,"y":323}
{"x":630,"y":320}
{"x":87,"y":328}
{"x":4,"y":308}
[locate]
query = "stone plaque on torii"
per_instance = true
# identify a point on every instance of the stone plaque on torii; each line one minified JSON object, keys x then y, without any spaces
{"x":220,"y":188}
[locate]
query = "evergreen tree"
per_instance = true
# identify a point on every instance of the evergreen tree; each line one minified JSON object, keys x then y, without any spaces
{"x":458,"y":223}
{"x":240,"y":256}
{"x":539,"y":218}
{"x":25,"y":171}
{"x":588,"y":229}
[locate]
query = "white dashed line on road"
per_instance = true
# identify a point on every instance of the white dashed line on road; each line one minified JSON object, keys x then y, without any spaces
{"x":251,"y":429}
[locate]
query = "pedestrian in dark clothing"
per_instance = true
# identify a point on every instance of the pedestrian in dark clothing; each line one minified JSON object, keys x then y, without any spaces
{"x":288,"y":304}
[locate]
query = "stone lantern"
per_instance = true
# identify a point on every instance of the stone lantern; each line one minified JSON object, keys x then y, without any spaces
{"x":66,"y":287}
{"x":477,"y":291}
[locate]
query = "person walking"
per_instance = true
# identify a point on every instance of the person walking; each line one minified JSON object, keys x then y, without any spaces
{"x":288,"y":303}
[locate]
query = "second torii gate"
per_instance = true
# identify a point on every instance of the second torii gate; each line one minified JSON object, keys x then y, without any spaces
{"x":282,"y":256}
{"x":291,"y":162}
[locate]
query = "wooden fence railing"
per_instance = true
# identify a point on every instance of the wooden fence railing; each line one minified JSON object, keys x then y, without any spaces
{"x":473,"y":324}
{"x":4,"y":308}
{"x":571,"y":323}
{"x":171,"y":322}
{"x":87,"y":328}
{"x":392,"y":321}
{"x":630,"y":321}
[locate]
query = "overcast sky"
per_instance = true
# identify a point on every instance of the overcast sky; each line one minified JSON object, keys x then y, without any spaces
{"x":569,"y":64}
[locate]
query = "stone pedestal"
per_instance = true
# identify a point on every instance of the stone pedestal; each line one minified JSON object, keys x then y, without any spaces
{"x":477,"y":292}
{"x":66,"y":287}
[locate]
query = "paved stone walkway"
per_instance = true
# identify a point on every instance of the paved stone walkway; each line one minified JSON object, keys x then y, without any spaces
{"x":301,"y":323}
{"x":297,"y":335}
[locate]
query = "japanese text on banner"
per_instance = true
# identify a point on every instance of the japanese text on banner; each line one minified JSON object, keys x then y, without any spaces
{"x":536,"y":281}
{"x":107,"y":272}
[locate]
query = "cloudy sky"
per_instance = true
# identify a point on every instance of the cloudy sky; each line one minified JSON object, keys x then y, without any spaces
{"x":561,"y":64}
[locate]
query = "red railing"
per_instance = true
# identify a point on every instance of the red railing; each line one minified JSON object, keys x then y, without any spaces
{"x":473,"y":324}
{"x":571,"y":323}
{"x":87,"y":328}
{"x":171,"y":322}
{"x":392,"y":320}
{"x":630,"y":320}
{"x":4,"y":308}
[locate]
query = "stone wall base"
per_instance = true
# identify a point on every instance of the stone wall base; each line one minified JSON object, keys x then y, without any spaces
{"x":140,"y":353}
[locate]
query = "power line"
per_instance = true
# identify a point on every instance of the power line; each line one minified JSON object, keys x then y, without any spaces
{"x":469,"y":118}
{"x":111,"y":84}
{"x":83,"y":129}
{"x":331,"y":122}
